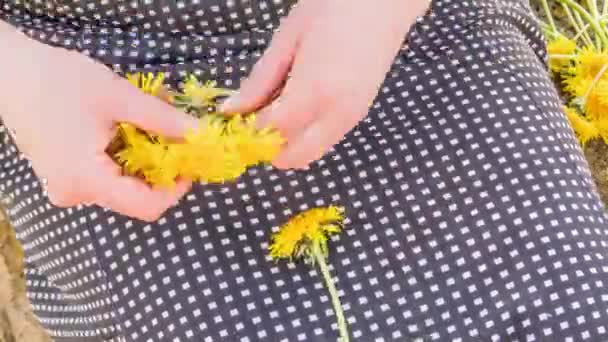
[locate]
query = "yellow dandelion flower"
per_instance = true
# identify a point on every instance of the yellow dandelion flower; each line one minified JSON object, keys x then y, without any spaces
{"x":155,"y":161}
{"x":312,"y":227}
{"x":202,"y":95}
{"x":590,"y":62}
{"x":594,"y":106}
{"x":220,"y":150}
{"x":560,"y":52}
{"x":305,"y":235}
{"x":217,"y":152}
{"x":601,"y":91}
{"x":254,"y":145}
{"x":584,"y":129}
{"x":587,"y":82}
{"x":149,"y":83}
{"x":577,"y":85}
{"x":561,"y":46}
{"x":209,"y":155}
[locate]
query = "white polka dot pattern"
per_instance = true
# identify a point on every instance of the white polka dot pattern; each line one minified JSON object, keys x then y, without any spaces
{"x":471,"y":212}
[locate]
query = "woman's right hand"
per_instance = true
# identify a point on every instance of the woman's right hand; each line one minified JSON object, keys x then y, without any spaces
{"x":63,"y":108}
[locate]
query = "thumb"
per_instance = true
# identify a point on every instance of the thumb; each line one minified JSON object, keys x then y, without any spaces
{"x":270,"y":72}
{"x":149,"y":113}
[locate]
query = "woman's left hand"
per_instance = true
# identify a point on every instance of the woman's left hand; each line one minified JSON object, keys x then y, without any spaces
{"x":332,"y":56}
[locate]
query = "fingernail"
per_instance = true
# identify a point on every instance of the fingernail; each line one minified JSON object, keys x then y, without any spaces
{"x":229,"y":103}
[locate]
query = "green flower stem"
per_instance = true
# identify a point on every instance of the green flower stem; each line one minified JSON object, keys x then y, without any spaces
{"x":562,"y":56}
{"x":594,"y":23}
{"x":583,"y":32}
{"x":333,"y":293}
{"x":605,"y":8}
{"x":549,"y":15}
{"x":585,"y":28}
{"x":592,"y":5}
{"x":579,"y":31}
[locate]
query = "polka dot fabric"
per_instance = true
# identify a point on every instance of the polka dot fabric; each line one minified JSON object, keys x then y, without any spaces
{"x":471,"y":212}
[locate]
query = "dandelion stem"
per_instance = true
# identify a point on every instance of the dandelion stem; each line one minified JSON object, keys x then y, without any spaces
{"x":549,"y":15}
{"x":595,"y":81}
{"x":583,"y":26}
{"x":557,"y":56}
{"x":590,"y":19}
{"x":333,"y":292}
{"x":583,"y":32}
{"x":592,"y":4}
{"x":579,"y":31}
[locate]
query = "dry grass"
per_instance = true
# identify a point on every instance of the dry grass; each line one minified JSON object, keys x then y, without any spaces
{"x":597,"y":156}
{"x":17,"y":323}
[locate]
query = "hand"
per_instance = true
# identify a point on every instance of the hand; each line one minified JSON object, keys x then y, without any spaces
{"x":63,"y":108}
{"x":337,"y":54}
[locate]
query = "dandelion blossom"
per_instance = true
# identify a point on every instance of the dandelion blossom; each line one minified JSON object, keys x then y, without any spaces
{"x":305,"y":236}
{"x":152,"y":84}
{"x":590,"y":62}
{"x":585,"y":130}
{"x":201,"y":95}
{"x":254,"y":144}
{"x":561,"y":52}
{"x":220,"y":150}
{"x":314,"y":226}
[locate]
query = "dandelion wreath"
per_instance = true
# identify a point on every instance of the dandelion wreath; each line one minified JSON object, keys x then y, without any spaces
{"x":220,"y":150}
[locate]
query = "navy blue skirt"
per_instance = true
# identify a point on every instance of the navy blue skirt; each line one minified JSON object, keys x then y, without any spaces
{"x":471,"y":213}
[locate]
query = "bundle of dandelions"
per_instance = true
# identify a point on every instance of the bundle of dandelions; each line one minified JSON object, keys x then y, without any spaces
{"x":305,"y":236}
{"x":219,"y":151}
{"x":578,"y":57}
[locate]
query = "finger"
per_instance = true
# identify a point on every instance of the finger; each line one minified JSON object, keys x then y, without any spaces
{"x":60,"y":187}
{"x":60,"y":196}
{"x":314,"y":141}
{"x":291,"y":113}
{"x":269,"y":73}
{"x":149,"y":113}
{"x":132,"y":197}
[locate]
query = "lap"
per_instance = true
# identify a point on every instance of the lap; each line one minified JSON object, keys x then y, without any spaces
{"x":471,"y":216}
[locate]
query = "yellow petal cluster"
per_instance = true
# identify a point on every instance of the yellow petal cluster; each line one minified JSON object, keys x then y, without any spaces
{"x":314,"y":226}
{"x":585,"y":84}
{"x":584,"y":128}
{"x":560,"y":52}
{"x":149,"y":83}
{"x":578,"y":60}
{"x":219,"y":150}
{"x":202,"y":95}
